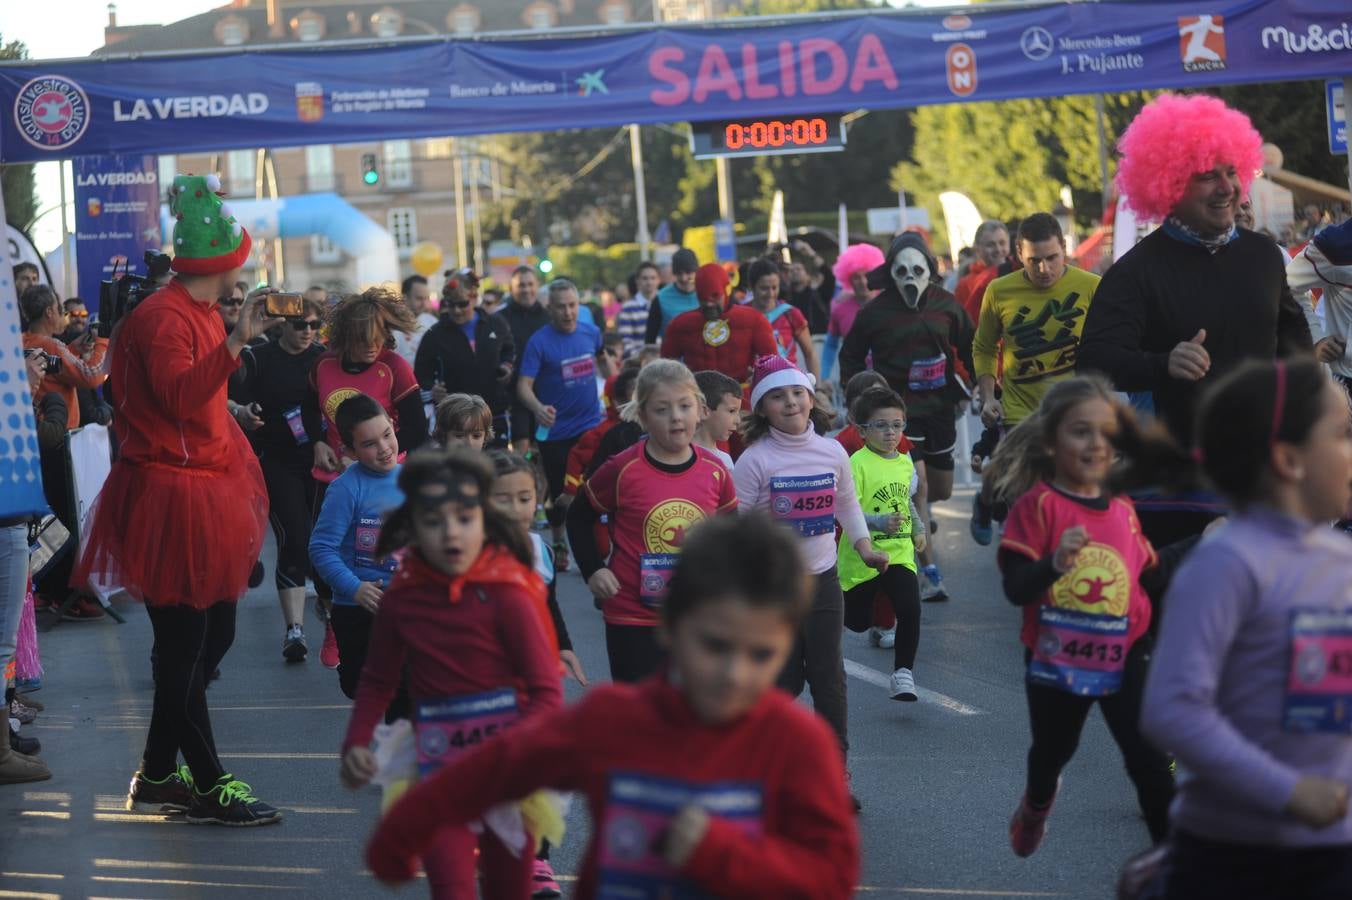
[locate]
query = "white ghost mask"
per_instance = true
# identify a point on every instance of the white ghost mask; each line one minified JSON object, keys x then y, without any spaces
{"x":911,"y":273}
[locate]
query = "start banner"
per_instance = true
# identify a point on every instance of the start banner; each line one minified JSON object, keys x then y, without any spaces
{"x":180,"y":103}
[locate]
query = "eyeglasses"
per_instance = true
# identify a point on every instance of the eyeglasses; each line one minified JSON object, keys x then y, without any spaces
{"x":231,"y":301}
{"x":305,"y":324}
{"x":880,"y":425}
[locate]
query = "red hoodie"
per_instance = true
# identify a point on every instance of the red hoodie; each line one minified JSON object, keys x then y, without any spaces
{"x":487,"y":629}
{"x":781,"y":824}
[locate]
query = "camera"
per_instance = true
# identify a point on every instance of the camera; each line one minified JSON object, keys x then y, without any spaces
{"x":51,"y":364}
{"x":120,"y":295}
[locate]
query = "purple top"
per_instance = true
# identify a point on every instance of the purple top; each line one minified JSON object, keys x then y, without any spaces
{"x":1217,"y":685}
{"x":843,"y":310}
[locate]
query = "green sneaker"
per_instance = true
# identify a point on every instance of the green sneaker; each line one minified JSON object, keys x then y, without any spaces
{"x":173,"y":793}
{"x":230,"y":802}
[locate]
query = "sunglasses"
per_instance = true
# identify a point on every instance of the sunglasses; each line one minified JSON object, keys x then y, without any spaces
{"x":305,"y":324}
{"x":459,"y":304}
{"x":78,"y":314}
{"x":231,"y":301}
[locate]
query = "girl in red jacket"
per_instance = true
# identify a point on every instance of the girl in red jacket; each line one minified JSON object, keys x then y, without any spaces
{"x":465,"y":622}
{"x":703,"y":781}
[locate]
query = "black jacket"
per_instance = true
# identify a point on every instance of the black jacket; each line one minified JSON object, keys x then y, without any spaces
{"x":1163,"y":291}
{"x":445,"y":355}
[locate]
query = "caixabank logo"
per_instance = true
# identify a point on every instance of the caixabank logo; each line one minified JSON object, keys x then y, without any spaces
{"x":51,"y":112}
{"x":1201,"y":43}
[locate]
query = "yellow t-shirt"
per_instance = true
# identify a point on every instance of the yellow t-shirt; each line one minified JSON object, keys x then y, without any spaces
{"x":1040,"y":331}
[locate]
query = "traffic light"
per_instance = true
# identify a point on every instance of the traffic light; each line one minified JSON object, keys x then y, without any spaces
{"x":546,"y":266}
{"x":370,"y":173}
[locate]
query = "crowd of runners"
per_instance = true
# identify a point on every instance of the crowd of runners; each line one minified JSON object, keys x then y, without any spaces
{"x":741,"y":464}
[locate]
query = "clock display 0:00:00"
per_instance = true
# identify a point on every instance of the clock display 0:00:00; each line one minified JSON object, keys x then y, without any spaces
{"x":775,"y":133}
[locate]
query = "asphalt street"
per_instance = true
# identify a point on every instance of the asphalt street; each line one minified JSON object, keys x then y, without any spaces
{"x":938,"y":779}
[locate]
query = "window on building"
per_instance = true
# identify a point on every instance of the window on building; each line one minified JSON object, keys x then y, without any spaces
{"x":319,"y":168}
{"x":241,"y":165}
{"x":308,"y":26}
{"x":398,"y":164}
{"x":232,"y":31}
{"x":616,"y":12}
{"x":323,"y":252}
{"x":540,"y":15}
{"x":387,"y":22}
{"x":438,"y":148}
{"x":402,"y":222}
{"x":464,"y":20}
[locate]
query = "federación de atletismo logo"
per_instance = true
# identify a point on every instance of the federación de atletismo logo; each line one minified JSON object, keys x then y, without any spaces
{"x":51,"y":112}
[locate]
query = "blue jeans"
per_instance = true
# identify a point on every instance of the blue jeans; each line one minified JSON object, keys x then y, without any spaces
{"x":13,"y":589}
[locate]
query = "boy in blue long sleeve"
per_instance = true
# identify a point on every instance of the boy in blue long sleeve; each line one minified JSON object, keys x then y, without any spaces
{"x":343,"y":540}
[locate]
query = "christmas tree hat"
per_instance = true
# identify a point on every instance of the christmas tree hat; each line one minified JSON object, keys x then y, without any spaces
{"x":207,"y":239}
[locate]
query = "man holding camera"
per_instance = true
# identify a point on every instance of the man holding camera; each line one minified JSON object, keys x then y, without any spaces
{"x":181,"y":517}
{"x":67,"y":367}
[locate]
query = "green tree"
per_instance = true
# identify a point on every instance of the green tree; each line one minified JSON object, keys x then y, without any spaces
{"x":1291,"y":115}
{"x":1012,"y":157}
{"x":20,"y":189}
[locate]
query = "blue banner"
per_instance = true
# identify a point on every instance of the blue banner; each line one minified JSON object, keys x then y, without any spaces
{"x":117,"y":218}
{"x":286,"y":97}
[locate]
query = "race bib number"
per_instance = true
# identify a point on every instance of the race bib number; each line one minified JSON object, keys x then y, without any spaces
{"x":367,"y":534}
{"x":1319,"y":684}
{"x":638,"y":811}
{"x":654,"y":574}
{"x":296,"y":424}
{"x":579,"y":368}
{"x":929,"y":374}
{"x":448,"y":728}
{"x":807,"y":502}
{"x":1079,"y":652}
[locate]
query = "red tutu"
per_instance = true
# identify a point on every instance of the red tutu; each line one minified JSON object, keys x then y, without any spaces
{"x":176,"y":536}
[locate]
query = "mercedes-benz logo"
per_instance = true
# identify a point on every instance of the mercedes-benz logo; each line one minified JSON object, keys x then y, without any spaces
{"x":1036,"y":43}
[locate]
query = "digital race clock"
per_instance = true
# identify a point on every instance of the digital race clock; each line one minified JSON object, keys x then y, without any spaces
{"x":766,"y":136}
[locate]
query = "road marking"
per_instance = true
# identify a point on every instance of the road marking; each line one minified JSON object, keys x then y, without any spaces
{"x":954,"y":892}
{"x":873,"y":676}
{"x":279,"y":756}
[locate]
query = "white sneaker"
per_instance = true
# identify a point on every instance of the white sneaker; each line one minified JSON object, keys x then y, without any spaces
{"x":903,"y":686}
{"x":888,"y":639}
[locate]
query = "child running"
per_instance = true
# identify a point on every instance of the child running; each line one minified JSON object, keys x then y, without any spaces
{"x":653,"y":493}
{"x":517,"y":487}
{"x":465,"y":624}
{"x":804,"y":479}
{"x":463,"y":420}
{"x":704,"y":781}
{"x":885,"y":480}
{"x":1250,"y":678}
{"x":722,"y":412}
{"x":343,"y":542}
{"x":1071,"y":556}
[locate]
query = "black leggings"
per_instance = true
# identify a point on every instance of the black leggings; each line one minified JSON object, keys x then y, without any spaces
{"x":1211,"y":870}
{"x":554,"y":457}
{"x":903,"y":590}
{"x":817,"y":660}
{"x":352,"y":631}
{"x":633,"y":651}
{"x":189,"y":644}
{"x":291,"y":497}
{"x":1057,"y":718}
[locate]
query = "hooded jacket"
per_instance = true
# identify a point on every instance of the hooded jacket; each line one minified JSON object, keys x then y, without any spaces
{"x":900,"y":337}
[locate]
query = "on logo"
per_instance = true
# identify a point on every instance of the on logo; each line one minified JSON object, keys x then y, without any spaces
{"x":961,"y":61}
{"x":1201,"y":43}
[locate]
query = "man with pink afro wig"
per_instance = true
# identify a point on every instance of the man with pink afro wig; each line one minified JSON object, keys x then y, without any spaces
{"x":851,"y":270}
{"x":1197,"y":296}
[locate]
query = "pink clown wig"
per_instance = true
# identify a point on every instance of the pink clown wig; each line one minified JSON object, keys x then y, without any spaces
{"x":1174,"y":138}
{"x":856,"y":258}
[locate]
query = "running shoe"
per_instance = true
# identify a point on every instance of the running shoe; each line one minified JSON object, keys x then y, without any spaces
{"x":27,"y":699}
{"x":932,"y":585}
{"x":1029,"y":825}
{"x":173,"y":793}
{"x":22,"y":713}
{"x":294,"y":647}
{"x":328,"y":654}
{"x":982,"y":531}
{"x":886,"y":638}
{"x":230,"y":802}
{"x":542,"y":881}
{"x":83,"y":610}
{"x":903,"y":686}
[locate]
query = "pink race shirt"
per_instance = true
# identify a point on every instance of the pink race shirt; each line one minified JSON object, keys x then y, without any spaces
{"x":387,"y":380}
{"x":650,"y":512}
{"x":1106,"y":578}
